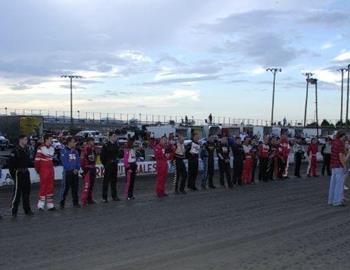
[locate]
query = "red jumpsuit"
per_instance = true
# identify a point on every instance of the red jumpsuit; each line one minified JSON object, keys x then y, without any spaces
{"x":312,"y":153}
{"x":162,"y":169}
{"x":44,"y":167}
{"x":88,"y":164}
{"x":285,"y":154}
{"x":247,"y":165}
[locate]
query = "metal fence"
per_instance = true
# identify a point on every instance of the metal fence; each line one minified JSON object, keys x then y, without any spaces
{"x":85,"y":117}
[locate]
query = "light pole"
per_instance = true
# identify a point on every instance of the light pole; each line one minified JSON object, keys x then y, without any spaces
{"x":308,"y":75}
{"x":314,"y":81}
{"x":342,"y":93}
{"x":274,"y":71}
{"x":347,"y":96}
{"x":71,"y":77}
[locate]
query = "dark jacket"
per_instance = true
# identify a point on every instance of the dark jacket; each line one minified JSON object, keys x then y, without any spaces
{"x":110,"y":154}
{"x":20,"y":159}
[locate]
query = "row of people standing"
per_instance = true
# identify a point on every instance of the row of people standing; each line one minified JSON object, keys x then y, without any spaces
{"x":269,"y":160}
{"x":73,"y":163}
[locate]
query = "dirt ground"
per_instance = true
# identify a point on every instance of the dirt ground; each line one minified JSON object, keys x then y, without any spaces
{"x":275,"y":225}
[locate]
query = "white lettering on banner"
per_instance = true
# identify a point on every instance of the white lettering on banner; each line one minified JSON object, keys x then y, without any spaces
{"x":143,"y":168}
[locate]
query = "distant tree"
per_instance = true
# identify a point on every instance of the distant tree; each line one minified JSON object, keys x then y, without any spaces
{"x":339,"y":124}
{"x":325,"y":123}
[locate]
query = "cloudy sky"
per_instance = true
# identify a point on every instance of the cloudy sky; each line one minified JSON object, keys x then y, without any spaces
{"x":173,"y":57}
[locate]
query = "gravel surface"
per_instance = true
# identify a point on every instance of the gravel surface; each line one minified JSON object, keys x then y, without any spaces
{"x":275,"y":225}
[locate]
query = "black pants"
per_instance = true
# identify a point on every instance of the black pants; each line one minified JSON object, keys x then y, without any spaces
{"x":237,"y":172}
{"x":225,"y":170}
{"x":326,"y":164}
{"x":181,"y":173}
{"x":263,"y":164}
{"x":192,"y":172}
{"x":255,"y":164}
{"x":92,"y":172}
{"x":130,"y":179}
{"x":21,"y":189}
{"x":271,"y":168}
{"x":110,"y":178}
{"x":298,"y":159}
{"x":70,"y":180}
{"x":210,"y":171}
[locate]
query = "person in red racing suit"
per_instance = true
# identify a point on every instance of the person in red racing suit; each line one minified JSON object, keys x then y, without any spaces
{"x":88,"y":165}
{"x":44,"y":167}
{"x":285,"y":154}
{"x":161,"y":156}
{"x":312,"y":154}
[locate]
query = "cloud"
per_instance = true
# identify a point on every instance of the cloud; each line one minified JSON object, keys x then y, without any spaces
{"x":326,"y":18}
{"x":344,"y":56}
{"x":173,"y":98}
{"x":327,"y":45}
{"x":182,"y":80}
{"x":266,"y":49}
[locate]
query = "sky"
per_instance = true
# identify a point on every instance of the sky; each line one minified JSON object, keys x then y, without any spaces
{"x":174,"y":57}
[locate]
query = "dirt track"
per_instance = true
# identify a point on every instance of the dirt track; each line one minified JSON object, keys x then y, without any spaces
{"x":276,"y":225}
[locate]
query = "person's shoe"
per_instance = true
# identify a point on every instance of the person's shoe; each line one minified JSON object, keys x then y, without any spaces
{"x":29,"y":213}
{"x":131,"y":198}
{"x":342,"y":204}
{"x":91,"y":202}
{"x":194,"y":189}
{"x":14,"y":214}
{"x":212,"y":187}
{"x":116,"y":199}
{"x":77,"y":205}
{"x":52,"y":209}
{"x":104,"y":201}
{"x":61,"y":205}
{"x":183,"y":192}
{"x":346,"y":188}
{"x":308,"y":175}
{"x":203,"y":187}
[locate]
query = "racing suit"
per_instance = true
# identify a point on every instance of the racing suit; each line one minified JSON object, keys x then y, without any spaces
{"x":71,"y":165}
{"x":88,"y":164}
{"x":223,"y":153}
{"x":312,"y":154}
{"x":162,"y":169}
{"x":130,"y":166}
{"x":44,"y":166}
{"x":193,"y":154}
{"x":18,"y":165}
{"x":180,"y":168}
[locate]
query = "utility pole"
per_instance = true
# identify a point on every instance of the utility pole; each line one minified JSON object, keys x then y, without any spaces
{"x":347,"y":97}
{"x":342,"y":93}
{"x":71,"y":77}
{"x":274,"y":71}
{"x":308,"y":76}
{"x":314,"y":81}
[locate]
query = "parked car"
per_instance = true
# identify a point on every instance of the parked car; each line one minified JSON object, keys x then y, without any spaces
{"x":4,"y":143}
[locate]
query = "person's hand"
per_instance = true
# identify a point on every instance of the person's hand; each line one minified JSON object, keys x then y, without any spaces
{"x":75,"y":171}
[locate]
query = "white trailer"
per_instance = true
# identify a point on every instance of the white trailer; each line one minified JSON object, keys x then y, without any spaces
{"x":160,"y":131}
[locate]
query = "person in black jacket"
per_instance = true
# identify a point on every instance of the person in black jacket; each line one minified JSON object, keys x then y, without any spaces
{"x":223,"y":152}
{"x":211,"y":146}
{"x":18,"y":165}
{"x":109,"y":157}
{"x":238,"y":158}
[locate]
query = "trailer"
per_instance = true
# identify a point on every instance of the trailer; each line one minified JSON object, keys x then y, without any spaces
{"x":14,"y":125}
{"x":161,"y":130}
